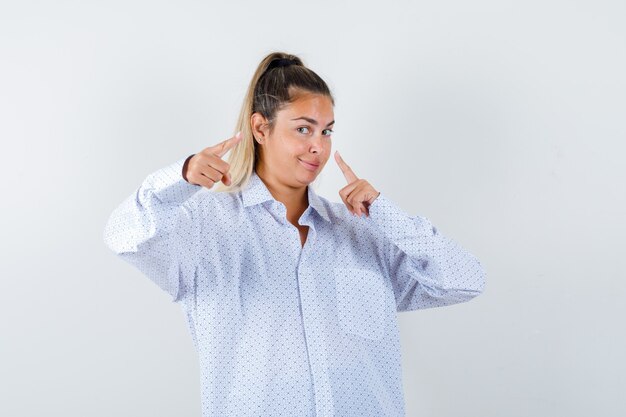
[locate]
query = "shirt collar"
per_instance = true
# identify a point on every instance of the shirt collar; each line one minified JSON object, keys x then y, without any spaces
{"x":256,"y":192}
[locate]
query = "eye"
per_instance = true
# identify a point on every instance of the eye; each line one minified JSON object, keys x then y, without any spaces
{"x":303,"y":127}
{"x":330,"y":131}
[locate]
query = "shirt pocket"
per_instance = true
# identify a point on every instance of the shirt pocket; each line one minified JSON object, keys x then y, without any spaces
{"x":360,"y":295}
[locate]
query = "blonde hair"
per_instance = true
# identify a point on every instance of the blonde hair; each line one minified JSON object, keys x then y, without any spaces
{"x":276,"y":82}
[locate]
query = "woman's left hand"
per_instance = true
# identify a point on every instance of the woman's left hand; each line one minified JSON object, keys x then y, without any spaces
{"x":359,"y":194}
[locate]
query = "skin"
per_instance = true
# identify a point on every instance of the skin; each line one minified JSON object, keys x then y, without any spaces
{"x":290,"y":142}
{"x":282,"y":152}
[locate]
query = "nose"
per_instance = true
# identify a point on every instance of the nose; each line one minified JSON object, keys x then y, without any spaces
{"x":317,"y":144}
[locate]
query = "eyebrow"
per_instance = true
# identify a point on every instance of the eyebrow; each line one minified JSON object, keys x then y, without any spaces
{"x":312,"y":121}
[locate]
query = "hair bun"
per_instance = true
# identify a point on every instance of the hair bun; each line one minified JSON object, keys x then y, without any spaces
{"x":281,"y":62}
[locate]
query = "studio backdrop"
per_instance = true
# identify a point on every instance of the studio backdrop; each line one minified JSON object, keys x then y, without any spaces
{"x":501,"y":122}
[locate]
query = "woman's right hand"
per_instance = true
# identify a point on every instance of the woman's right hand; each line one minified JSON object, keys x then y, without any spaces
{"x":207,"y":167}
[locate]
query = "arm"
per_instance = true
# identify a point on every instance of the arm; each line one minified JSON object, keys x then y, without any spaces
{"x":426,"y":268}
{"x":153,"y":229}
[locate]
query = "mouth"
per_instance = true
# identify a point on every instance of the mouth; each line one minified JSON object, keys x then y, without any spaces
{"x":308,"y":165}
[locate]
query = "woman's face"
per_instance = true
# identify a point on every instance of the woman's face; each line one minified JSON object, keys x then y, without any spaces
{"x":300,"y":144}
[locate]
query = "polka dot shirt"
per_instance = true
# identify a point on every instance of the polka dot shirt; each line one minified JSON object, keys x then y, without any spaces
{"x":283,"y":329}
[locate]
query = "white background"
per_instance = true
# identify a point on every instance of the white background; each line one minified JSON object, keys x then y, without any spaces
{"x":502,"y":122}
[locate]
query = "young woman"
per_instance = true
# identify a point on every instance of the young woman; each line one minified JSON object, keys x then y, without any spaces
{"x":291,"y":299}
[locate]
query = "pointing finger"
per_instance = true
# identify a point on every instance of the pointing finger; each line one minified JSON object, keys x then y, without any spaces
{"x":228,"y":144}
{"x":347,"y":171}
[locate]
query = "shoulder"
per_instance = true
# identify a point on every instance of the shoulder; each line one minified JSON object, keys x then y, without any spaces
{"x":207,"y":202}
{"x":358,"y":240}
{"x":337,"y":211}
{"x":344,"y":221}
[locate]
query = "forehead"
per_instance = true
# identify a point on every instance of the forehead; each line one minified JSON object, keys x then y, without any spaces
{"x":315,"y":106}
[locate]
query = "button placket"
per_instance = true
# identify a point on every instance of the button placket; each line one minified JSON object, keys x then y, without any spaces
{"x":315,"y":339}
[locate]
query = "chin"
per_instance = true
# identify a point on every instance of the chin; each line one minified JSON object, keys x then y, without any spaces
{"x":307,"y":177}
{"x":307,"y":181}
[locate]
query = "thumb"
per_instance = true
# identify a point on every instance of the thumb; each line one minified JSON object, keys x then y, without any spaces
{"x":226,"y":179}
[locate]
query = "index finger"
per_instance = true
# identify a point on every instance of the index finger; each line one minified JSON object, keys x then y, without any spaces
{"x":227,"y":145}
{"x":347,"y":171}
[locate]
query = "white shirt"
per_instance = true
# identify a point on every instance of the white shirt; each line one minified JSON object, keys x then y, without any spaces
{"x":281,"y":329}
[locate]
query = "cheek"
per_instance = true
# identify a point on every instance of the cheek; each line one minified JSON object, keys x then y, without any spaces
{"x":296,"y":147}
{"x":285,"y":147}
{"x":327,"y":148}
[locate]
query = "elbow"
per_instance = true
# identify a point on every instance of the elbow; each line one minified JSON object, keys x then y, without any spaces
{"x":127,"y":227}
{"x":110,"y":236}
{"x":471,"y":285}
{"x":477,"y":278}
{"x":482,"y":276}
{"x":119,"y":236}
{"x":466,"y":277}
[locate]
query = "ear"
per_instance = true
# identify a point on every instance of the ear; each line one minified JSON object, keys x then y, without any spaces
{"x":259,"y":126}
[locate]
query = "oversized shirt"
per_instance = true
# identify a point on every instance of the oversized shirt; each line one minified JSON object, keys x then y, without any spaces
{"x":283,"y":329}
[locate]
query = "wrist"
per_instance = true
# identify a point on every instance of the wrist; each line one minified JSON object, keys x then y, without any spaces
{"x":184,"y":173}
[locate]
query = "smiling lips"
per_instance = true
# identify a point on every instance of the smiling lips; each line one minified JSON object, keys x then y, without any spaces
{"x":309,"y":165}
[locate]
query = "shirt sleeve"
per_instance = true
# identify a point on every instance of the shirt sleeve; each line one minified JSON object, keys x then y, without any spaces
{"x":426,"y":268}
{"x":153,"y":230}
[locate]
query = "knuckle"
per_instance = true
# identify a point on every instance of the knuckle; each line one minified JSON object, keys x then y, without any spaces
{"x":212,"y":151}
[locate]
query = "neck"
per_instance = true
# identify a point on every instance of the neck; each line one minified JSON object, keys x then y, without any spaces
{"x":295,"y":199}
